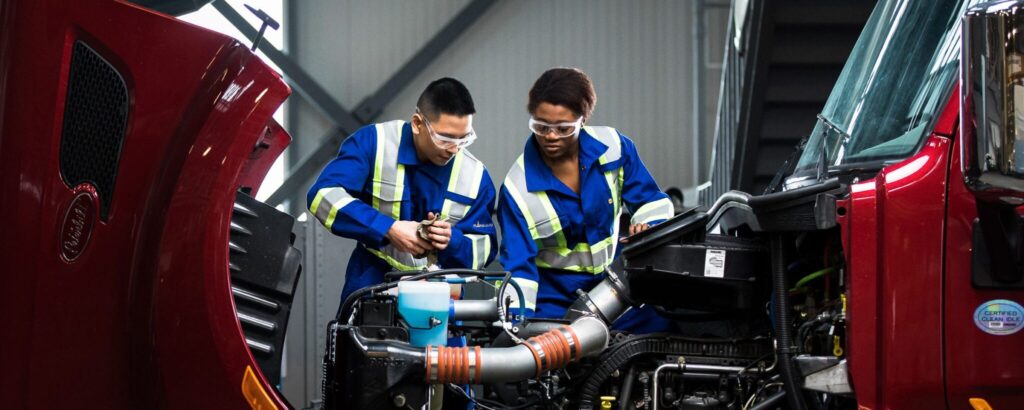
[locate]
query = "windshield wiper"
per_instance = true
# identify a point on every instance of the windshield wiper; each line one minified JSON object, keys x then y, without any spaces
{"x":822,"y":166}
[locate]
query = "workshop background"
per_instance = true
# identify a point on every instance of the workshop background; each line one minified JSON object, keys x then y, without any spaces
{"x":659,"y":69}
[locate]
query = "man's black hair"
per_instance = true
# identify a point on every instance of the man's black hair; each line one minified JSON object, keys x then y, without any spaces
{"x":445,"y":96}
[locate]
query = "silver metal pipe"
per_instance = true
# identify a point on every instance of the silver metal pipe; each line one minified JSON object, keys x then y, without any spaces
{"x":657,"y":395}
{"x":486,"y":310}
{"x":731,"y":196}
{"x":686,"y":367}
{"x":506,"y":364}
{"x":607,"y":300}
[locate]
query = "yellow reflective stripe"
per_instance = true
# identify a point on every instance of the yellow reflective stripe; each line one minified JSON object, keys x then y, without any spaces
{"x":329,"y":223}
{"x":396,"y":207}
{"x":477,"y":177}
{"x":518,"y":197}
{"x":487,"y":252}
{"x":573,"y":268}
{"x":556,"y":224}
{"x":316,"y":202}
{"x":481,"y":247}
{"x":652,"y":211}
{"x":582,"y":251}
{"x":446,"y":209}
{"x":392,"y":261}
{"x":453,"y":180}
{"x":327,"y":202}
{"x":378,"y":163}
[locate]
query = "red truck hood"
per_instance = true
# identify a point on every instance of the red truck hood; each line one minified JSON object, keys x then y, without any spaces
{"x":124,"y":136}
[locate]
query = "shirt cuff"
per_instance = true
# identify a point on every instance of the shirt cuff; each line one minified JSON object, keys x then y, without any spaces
{"x":456,"y":243}
{"x":379,"y":227}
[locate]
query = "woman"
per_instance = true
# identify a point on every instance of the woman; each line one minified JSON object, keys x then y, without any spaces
{"x":560,"y":202}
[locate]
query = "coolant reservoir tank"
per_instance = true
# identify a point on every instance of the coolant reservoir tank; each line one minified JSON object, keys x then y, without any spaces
{"x":424,"y":306}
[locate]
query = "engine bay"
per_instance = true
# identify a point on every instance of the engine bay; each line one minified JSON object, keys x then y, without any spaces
{"x":754,"y":288}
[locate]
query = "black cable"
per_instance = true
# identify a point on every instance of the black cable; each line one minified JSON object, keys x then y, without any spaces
{"x":345,"y":309}
{"x":489,"y":404}
{"x":783,"y":323}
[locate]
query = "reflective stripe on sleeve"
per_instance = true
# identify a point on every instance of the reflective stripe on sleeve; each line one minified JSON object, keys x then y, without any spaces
{"x":327,"y":203}
{"x":653,"y":211}
{"x":481,"y":249}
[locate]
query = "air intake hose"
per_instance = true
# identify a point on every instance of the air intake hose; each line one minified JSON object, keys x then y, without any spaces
{"x":591,"y":317}
{"x":548,"y":351}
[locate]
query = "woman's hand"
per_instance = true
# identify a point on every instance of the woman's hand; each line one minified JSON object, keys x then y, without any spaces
{"x":635,"y":229}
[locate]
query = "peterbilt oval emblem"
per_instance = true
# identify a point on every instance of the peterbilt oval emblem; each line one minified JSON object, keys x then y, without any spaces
{"x":79,"y":219}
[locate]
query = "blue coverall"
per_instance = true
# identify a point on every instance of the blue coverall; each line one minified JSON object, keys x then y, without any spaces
{"x":425,"y":191}
{"x":586,"y":217}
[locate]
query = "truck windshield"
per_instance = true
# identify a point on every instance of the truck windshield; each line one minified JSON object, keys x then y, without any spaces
{"x":892,"y":89}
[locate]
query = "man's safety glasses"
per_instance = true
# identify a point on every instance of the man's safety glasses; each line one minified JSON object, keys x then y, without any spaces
{"x":561,"y":130}
{"x":445,"y":142}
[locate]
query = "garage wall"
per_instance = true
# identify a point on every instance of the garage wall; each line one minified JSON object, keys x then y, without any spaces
{"x":639,"y":54}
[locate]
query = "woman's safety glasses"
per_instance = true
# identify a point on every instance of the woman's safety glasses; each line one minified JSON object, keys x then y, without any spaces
{"x":445,"y":142}
{"x":561,"y":130}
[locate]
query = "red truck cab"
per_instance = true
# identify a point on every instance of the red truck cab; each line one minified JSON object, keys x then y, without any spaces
{"x":894,"y":128}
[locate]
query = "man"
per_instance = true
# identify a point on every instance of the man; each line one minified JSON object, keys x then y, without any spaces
{"x":388,"y":177}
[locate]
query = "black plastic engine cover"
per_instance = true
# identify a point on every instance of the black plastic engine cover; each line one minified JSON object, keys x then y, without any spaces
{"x":722,"y":273}
{"x":364,"y":368}
{"x":677,"y":265}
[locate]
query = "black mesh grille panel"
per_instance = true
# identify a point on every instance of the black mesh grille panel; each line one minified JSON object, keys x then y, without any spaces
{"x":95,"y":116}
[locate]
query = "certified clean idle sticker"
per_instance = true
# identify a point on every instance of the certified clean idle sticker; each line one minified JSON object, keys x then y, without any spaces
{"x":999,"y":317}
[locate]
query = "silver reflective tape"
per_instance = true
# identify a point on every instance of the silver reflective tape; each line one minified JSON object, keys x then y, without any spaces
{"x":481,"y":249}
{"x":389,"y":137}
{"x":333,"y":198}
{"x":570,"y":261}
{"x":610,"y":137}
{"x":468,"y":179}
{"x":653,"y":211}
{"x":545,"y":224}
{"x":456,"y":211}
{"x":405,"y":258}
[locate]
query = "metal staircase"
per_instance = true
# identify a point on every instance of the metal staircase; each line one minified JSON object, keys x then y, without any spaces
{"x":775,"y":83}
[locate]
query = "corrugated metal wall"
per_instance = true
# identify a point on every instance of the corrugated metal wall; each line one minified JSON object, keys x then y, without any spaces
{"x":639,"y":53}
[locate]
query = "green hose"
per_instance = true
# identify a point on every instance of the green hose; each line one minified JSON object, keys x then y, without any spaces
{"x":812,"y":276}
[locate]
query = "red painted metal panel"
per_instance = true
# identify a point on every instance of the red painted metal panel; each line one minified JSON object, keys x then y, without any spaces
{"x":895,"y":250}
{"x":977,"y":364}
{"x":143,"y":317}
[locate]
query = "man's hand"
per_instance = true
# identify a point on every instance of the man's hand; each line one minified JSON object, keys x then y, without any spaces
{"x":439,"y":232}
{"x":635,"y":229}
{"x":403,"y":235}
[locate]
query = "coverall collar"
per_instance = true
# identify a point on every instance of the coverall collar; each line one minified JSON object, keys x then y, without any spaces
{"x":407,"y":148}
{"x":539,"y":176}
